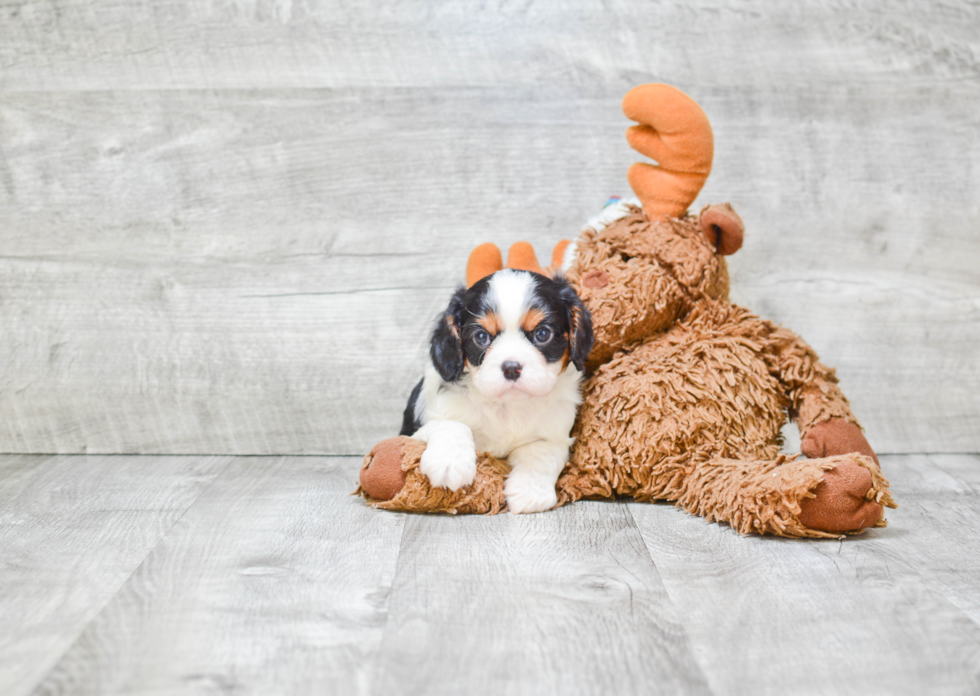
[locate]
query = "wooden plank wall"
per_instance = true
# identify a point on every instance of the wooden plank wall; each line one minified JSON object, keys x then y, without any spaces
{"x":226,"y":226}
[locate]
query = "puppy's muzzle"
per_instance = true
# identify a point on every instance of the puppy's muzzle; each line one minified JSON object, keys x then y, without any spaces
{"x":512,"y":370}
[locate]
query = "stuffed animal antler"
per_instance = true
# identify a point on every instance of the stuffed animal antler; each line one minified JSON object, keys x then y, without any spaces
{"x":486,"y":260}
{"x":676,"y":133}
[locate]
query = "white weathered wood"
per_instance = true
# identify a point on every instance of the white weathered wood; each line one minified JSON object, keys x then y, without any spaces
{"x":191,"y":367}
{"x":219,"y":320}
{"x":179,"y":44}
{"x":563,"y":603}
{"x":276,"y":581}
{"x":159,"y":159}
{"x":72,"y":530}
{"x":873,"y":614}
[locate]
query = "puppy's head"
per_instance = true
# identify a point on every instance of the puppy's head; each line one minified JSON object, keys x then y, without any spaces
{"x":513,"y":333}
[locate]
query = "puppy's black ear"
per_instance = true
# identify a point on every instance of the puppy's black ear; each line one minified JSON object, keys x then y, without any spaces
{"x":446,"y":350}
{"x":580,"y":336}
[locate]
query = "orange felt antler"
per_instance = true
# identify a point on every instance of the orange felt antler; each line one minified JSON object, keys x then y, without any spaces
{"x":521,"y":257}
{"x":486,"y":260}
{"x":676,"y":133}
{"x":558,"y":255}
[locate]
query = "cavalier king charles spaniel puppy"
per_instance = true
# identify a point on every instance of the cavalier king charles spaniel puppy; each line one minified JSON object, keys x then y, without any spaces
{"x":507,"y":358}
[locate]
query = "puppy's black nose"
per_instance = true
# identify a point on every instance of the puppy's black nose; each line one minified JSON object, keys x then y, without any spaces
{"x":512,"y":370}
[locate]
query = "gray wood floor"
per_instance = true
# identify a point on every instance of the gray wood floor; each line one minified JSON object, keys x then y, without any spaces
{"x":139,"y":575}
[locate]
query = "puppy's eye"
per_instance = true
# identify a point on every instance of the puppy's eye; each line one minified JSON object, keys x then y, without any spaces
{"x":481,"y":338}
{"x":542,"y":335}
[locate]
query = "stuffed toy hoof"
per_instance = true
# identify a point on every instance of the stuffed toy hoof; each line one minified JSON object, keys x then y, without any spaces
{"x":391,"y":480}
{"x":835,"y":436}
{"x":382,"y":476}
{"x":847,"y":500}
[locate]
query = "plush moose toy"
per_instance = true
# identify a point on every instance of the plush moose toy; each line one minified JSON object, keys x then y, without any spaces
{"x":686,"y":392}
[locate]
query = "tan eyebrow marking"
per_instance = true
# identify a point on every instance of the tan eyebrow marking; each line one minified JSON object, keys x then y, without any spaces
{"x":451,"y":323}
{"x":532,"y":319}
{"x":490,"y":322}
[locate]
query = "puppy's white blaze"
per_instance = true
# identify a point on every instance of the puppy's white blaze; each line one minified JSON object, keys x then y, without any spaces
{"x":512,"y":294}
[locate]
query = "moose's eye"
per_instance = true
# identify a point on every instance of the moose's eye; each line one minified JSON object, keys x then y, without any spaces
{"x":481,"y":338}
{"x":542,"y":335}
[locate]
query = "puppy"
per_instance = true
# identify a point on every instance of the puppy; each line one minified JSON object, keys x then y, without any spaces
{"x":507,"y":358}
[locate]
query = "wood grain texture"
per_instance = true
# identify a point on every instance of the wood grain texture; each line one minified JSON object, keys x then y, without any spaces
{"x":213,"y":210}
{"x":563,"y":603}
{"x":72,"y":530}
{"x":276,"y":581}
{"x":891,"y":612}
{"x":939,"y":496}
{"x":181,"y":44}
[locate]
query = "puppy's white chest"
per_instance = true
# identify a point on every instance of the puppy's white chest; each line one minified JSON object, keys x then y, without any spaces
{"x":505,"y":427}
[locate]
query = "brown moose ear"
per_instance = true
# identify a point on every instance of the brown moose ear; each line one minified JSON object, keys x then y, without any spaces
{"x":723,"y":227}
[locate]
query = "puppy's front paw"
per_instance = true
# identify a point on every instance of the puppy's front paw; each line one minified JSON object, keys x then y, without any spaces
{"x":529,"y":492}
{"x":449,"y":463}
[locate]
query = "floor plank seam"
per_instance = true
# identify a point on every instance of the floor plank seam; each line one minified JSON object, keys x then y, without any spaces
{"x":676,"y":607}
{"x":125,"y":581}
{"x":376,"y":672}
{"x":930,"y":582}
